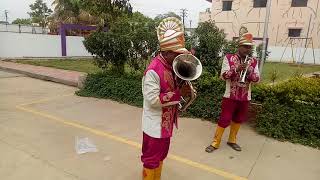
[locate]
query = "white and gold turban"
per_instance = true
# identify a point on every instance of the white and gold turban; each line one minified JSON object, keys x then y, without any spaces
{"x":171,"y":35}
{"x":246,"y":38}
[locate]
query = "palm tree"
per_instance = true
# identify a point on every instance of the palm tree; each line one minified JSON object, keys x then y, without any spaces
{"x":70,"y":11}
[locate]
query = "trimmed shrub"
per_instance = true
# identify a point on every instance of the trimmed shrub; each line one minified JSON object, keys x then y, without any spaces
{"x":290,"y":111}
{"x":125,"y":88}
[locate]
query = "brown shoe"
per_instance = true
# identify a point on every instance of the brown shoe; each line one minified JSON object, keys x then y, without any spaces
{"x":210,"y":149}
{"x":234,"y":146}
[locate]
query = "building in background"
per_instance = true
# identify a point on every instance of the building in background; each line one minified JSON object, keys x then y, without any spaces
{"x":291,"y":21}
{"x":205,"y":16}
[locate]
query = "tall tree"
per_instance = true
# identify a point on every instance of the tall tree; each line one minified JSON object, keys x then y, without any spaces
{"x":66,"y":8}
{"x":159,"y":17}
{"x":70,"y":11}
{"x":210,"y":41}
{"x":40,"y":13}
{"x":107,"y":10}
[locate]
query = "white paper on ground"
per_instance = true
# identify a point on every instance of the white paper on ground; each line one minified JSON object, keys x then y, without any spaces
{"x":84,"y":145}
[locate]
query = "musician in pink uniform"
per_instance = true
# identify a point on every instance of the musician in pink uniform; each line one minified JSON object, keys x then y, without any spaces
{"x":236,"y":100}
{"x":161,"y":96}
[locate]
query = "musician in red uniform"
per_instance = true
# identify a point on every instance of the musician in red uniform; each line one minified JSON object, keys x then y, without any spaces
{"x":235,"y":103}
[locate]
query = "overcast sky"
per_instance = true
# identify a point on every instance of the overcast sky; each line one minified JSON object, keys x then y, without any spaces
{"x":19,"y":8}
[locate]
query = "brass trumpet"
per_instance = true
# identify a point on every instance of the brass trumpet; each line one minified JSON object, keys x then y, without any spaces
{"x":243,"y":73}
{"x":188,"y":68}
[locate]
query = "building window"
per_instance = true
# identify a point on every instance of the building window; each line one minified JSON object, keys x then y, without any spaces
{"x":299,"y":3}
{"x":259,"y":3}
{"x":226,"y":5}
{"x":294,"y":32}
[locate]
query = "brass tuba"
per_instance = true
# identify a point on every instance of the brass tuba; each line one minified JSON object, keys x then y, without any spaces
{"x":187,"y":68}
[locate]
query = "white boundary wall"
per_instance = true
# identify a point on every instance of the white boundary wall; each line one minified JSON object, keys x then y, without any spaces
{"x":38,"y":45}
{"x":277,"y":52}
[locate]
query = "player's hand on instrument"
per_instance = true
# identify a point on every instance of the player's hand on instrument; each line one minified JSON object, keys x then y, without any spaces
{"x":241,"y":67}
{"x":185,"y":90}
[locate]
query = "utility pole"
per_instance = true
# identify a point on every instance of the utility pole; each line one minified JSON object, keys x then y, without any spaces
{"x":190,"y":23}
{"x":183,"y":15}
{"x":306,"y":44}
{"x":265,"y":36}
{"x":6,"y":15}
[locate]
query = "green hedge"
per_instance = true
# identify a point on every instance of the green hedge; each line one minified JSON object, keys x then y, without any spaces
{"x":209,"y":94}
{"x":121,"y":88}
{"x":298,"y":123}
{"x":127,"y":89}
{"x":290,"y":109}
{"x":296,"y":89}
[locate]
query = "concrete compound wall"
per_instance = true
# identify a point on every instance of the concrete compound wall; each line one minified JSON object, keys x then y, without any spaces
{"x":41,"y":45}
{"x":38,"y":45}
{"x":298,"y":55}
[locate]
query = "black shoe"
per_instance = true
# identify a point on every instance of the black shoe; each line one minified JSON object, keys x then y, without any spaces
{"x":210,"y":149}
{"x":234,"y":146}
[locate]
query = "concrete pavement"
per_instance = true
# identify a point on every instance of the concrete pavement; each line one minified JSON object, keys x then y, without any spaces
{"x":39,"y":121}
{"x":71,"y":78}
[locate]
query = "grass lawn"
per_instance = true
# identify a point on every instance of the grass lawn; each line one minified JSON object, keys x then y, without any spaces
{"x":284,"y":70}
{"x":83,"y":65}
